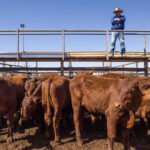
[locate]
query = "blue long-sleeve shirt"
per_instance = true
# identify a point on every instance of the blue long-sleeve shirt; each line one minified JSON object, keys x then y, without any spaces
{"x":118,"y":25}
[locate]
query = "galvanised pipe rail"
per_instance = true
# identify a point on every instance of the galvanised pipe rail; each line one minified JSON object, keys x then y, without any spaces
{"x":75,"y":30}
{"x":64,"y":32}
{"x":72,"y":69}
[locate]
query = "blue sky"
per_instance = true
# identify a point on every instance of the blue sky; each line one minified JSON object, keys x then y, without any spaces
{"x":71,"y":14}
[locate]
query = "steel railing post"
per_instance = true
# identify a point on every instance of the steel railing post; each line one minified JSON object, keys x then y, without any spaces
{"x":63,"y":43}
{"x":107,"y":45}
{"x":136,"y":68}
{"x":144,"y":45}
{"x":36,"y":68}
{"x":18,"y":44}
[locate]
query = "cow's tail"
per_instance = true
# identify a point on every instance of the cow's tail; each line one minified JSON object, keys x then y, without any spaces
{"x":46,"y":98}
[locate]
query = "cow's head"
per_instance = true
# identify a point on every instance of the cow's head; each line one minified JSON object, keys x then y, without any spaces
{"x":129,"y":95}
{"x":29,"y":106}
{"x":145,"y":105}
{"x":30,"y":86}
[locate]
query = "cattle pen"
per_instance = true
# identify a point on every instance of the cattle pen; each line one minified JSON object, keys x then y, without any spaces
{"x":64,"y":56}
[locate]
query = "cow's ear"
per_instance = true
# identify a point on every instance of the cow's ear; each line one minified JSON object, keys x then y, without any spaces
{"x":32,"y":101}
{"x":77,"y":73}
{"x":38,"y":100}
{"x":91,"y":72}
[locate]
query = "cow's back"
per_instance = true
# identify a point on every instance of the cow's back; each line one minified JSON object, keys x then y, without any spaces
{"x":92,"y":91}
{"x":56,"y":90}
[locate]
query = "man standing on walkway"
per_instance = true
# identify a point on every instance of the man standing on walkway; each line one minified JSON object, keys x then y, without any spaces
{"x":117,"y":24}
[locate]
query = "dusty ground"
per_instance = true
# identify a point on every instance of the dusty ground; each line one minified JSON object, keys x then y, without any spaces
{"x":95,"y":139}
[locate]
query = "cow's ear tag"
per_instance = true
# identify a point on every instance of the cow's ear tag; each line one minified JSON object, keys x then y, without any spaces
{"x":130,"y":123}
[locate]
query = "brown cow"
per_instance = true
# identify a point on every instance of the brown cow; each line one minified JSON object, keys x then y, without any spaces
{"x":144,"y":83}
{"x":55,"y":97}
{"x":11,"y":95}
{"x":117,"y":99}
{"x":30,"y":106}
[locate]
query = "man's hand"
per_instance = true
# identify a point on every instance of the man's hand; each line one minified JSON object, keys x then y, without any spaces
{"x":117,"y":19}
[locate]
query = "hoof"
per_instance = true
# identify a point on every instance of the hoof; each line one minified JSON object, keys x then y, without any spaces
{"x":80,"y":143}
{"x":10,"y":140}
{"x":21,"y":131}
{"x":58,"y":142}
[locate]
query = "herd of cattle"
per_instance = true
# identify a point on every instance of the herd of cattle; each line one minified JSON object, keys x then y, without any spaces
{"x":51,"y":98}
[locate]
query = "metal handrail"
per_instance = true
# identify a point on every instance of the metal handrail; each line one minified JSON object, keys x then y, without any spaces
{"x":74,"y":32}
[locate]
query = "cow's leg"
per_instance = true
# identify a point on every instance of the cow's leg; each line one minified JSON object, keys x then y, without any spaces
{"x":0,"y":121}
{"x":77,"y":119}
{"x":111,"y":132}
{"x":127,"y":123}
{"x":20,"y":126}
{"x":20,"y":121}
{"x":56,"y":124}
{"x":9,"y":124}
{"x":125,"y":136}
{"x":47,"y":119}
{"x":41,"y":123}
{"x":148,"y":121}
{"x":142,"y":122}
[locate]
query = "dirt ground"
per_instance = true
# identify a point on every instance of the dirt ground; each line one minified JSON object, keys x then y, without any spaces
{"x":95,"y":139}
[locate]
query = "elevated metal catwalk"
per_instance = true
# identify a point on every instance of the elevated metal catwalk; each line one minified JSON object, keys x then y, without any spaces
{"x":64,"y":56}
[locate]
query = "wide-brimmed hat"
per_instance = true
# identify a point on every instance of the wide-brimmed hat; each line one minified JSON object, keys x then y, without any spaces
{"x":118,"y":10}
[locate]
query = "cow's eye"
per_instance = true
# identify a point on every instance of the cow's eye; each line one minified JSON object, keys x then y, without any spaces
{"x":129,"y":95}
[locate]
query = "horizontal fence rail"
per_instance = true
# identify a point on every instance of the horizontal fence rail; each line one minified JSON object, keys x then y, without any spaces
{"x":72,"y":68}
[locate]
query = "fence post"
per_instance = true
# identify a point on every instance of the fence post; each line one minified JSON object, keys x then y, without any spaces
{"x":36,"y":68}
{"x":3,"y":68}
{"x":63,"y":43}
{"x":144,"y":45}
{"x":103,"y":66}
{"x":70,"y":72}
{"x":146,"y":67}
{"x":146,"y":61}
{"x":62,"y":67}
{"x":107,"y":45}
{"x":10,"y":70}
{"x":136,"y":67}
{"x":27,"y":67}
{"x":18,"y":44}
{"x":122,"y":67}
